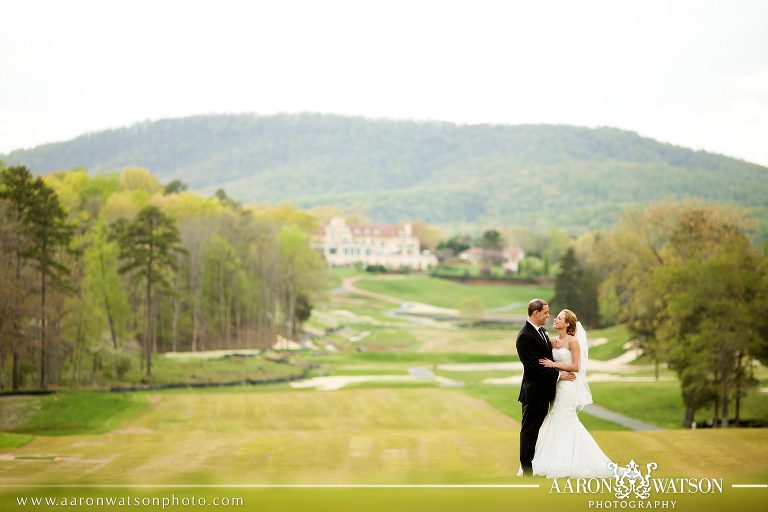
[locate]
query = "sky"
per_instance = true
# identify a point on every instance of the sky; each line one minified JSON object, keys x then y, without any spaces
{"x":691,"y":73}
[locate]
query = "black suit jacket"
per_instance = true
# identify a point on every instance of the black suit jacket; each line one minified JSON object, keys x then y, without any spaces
{"x":538,"y":381}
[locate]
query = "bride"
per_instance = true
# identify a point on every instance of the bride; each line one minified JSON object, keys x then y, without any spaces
{"x":564,"y":448}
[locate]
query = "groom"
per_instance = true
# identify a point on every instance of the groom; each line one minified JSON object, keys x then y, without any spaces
{"x":538,"y":387}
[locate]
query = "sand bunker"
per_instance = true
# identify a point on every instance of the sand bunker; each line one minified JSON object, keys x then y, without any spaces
{"x":211,"y":354}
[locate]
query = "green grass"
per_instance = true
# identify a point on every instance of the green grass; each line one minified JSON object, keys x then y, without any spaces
{"x":428,"y":357}
{"x":392,"y":385}
{"x":340,"y":365}
{"x":504,"y":397}
{"x":393,"y":363}
{"x":78,"y":412}
{"x":468,"y":270}
{"x":332,"y":411}
{"x":214,"y":390}
{"x":235,"y":369}
{"x":337,"y":274}
{"x":388,"y":339}
{"x":176,"y":371}
{"x":654,"y":402}
{"x":9,"y":440}
{"x":376,"y":500}
{"x":661,"y":402}
{"x":617,"y":336}
{"x":448,"y":294}
{"x":364,"y":307}
{"x":376,"y":370}
{"x":356,"y":436}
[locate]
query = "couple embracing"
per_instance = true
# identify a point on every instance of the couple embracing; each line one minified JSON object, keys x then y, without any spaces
{"x":553,"y":442}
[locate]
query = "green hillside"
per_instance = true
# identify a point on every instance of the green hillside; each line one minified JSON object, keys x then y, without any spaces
{"x":569,"y":176}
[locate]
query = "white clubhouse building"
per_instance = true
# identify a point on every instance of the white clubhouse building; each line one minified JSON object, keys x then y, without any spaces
{"x":389,"y":245}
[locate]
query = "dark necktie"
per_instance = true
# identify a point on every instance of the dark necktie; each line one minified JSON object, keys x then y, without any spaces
{"x":544,"y":336}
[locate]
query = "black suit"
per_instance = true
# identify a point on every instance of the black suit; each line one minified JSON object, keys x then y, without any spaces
{"x":537,"y":390}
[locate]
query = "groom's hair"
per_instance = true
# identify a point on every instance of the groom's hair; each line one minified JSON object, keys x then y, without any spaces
{"x":536,"y":305}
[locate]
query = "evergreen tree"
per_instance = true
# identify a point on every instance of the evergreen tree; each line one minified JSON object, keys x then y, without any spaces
{"x":148,"y":248}
{"x":45,"y":234}
{"x":16,"y":184}
{"x":175,"y":187}
{"x":50,"y":234}
{"x":567,"y":284}
{"x":455,"y":244}
{"x":576,"y":289}
{"x":491,"y":239}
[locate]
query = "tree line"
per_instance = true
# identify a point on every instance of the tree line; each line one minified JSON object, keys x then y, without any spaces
{"x":98,"y":273}
{"x":691,"y":285}
{"x":438,"y":172}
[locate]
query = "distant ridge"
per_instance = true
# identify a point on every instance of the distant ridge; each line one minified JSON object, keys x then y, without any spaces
{"x":542,"y":175}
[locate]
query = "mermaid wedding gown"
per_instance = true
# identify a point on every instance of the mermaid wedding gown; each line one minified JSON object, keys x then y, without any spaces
{"x":564,"y":448}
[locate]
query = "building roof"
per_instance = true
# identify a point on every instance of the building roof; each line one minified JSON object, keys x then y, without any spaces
{"x":376,"y":230}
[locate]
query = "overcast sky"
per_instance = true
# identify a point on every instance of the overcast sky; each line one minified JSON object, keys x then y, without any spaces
{"x":693,"y":73}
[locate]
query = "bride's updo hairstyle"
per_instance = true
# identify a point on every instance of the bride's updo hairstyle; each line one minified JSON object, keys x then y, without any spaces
{"x":570,"y":322}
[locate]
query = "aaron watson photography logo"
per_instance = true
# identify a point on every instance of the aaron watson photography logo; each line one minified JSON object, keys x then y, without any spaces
{"x":632,"y":489}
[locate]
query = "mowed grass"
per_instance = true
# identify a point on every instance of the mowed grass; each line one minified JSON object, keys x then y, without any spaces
{"x":356,"y":435}
{"x":190,"y":371}
{"x":14,"y":440}
{"x":379,"y":500}
{"x":66,"y":413}
{"x":448,"y":294}
{"x":348,"y":309}
{"x":352,"y":410}
{"x":617,"y":337}
{"x":349,"y":436}
{"x":371,"y":434}
{"x":337,"y":274}
{"x":221,"y":370}
{"x":504,"y":397}
{"x":662,"y":403}
{"x":469,"y":340}
{"x":404,"y":359}
{"x":387,"y":339}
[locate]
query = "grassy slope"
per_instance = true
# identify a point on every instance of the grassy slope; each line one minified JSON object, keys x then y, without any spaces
{"x":617,"y":336}
{"x":448,"y":294}
{"x":175,"y":371}
{"x":236,"y":369}
{"x":661,"y":402}
{"x":67,"y":413}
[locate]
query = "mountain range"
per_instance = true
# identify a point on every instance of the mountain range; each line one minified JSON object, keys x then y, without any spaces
{"x":539,"y":175}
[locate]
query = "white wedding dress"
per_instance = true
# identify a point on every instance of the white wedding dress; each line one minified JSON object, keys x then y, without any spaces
{"x":564,"y":448}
